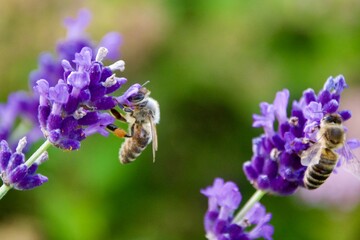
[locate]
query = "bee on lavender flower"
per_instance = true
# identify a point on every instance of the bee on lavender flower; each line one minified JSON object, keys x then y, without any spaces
{"x":142,"y":115}
{"x":321,"y":157}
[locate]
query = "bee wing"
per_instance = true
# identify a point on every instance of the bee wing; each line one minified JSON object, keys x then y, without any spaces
{"x":154,"y":137}
{"x":311,"y":155}
{"x":349,"y":159}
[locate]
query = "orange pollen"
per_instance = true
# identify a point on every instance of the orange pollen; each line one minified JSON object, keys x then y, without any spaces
{"x":119,"y":133}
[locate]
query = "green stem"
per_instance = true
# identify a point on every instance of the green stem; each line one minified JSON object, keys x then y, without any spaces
{"x":38,"y":152}
{"x":249,"y":204}
{"x":5,"y":188}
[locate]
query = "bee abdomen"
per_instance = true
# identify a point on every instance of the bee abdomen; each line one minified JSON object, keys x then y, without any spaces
{"x":129,"y":151}
{"x":316,"y":174}
{"x":133,"y":147}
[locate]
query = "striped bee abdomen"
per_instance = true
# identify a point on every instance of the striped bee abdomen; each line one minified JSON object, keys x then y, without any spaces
{"x":316,"y":174}
{"x":133,"y":146}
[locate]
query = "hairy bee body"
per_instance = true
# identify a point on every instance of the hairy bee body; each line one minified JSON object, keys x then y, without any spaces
{"x":142,"y":119}
{"x":316,"y":174}
{"x":132,"y":147}
{"x":321,"y":158}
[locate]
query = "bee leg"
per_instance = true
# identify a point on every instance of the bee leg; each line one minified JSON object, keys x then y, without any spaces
{"x":121,"y":133}
{"x":131,"y":130}
{"x":117,"y":115}
{"x":89,"y":108}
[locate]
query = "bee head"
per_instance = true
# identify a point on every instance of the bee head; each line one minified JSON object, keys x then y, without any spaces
{"x":139,"y":96}
{"x":332,"y":118}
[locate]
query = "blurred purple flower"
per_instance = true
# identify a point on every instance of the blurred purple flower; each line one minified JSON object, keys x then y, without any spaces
{"x":224,"y":198}
{"x":14,"y":172}
{"x":340,"y":191}
{"x":50,"y":67}
{"x":275,"y":166}
{"x":20,"y":105}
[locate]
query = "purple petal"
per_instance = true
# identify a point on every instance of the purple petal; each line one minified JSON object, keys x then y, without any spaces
{"x":309,"y":96}
{"x":335,"y":85}
{"x":213,"y":190}
{"x":263,"y":182}
{"x":237,"y":232}
{"x":54,"y":122}
{"x":66,"y":66}
{"x":353,"y":143}
{"x":266,"y":120}
{"x":331,"y":106}
{"x":69,"y":144}
{"x":97,"y":92}
{"x":72,"y":104}
{"x":314,"y":111}
{"x":83,"y":59}
{"x":282,"y":186}
{"x":89,"y":118}
{"x":345,"y":115}
{"x":270,"y":168}
{"x":68,"y":125}
{"x":258,"y":163}
{"x":95,"y":73}
{"x":280,"y":105}
{"x":15,"y":160}
{"x":105,"y":103}
{"x":54,"y":136}
{"x":32,"y":169}
{"x":106,"y":72}
{"x":324,"y":97}
{"x":77,"y":26}
{"x":256,"y":213}
{"x":5,"y":155}
{"x":112,"y":41}
{"x":48,"y":68}
{"x":78,"y":79}
{"x":42,"y":87}
{"x":99,"y":127}
{"x":229,"y":196}
{"x":123,"y":99}
{"x":116,"y":86}
{"x":43,"y":114}
{"x":30,"y":182}
{"x":59,"y":93}
{"x":249,"y":171}
{"x":17,"y":174}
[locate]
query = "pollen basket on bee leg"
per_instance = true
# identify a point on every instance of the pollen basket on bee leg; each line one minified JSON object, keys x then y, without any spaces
{"x":121,"y":133}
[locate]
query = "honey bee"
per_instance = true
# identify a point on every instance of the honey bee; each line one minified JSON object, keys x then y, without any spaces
{"x":142,"y":116}
{"x":321,"y":157}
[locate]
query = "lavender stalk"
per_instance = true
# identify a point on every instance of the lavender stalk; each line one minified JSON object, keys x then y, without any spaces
{"x":15,"y":173}
{"x":248,"y":205}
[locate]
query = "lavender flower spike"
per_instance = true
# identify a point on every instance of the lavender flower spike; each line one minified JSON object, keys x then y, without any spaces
{"x":224,"y":199}
{"x":74,"y":108}
{"x":15,"y":172}
{"x":275,"y":166}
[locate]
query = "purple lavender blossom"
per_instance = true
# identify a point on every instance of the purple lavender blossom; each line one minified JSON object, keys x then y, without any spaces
{"x":13,"y":170}
{"x":22,"y":105}
{"x":275,"y":166}
{"x":71,"y":110}
{"x":224,"y":199}
{"x":50,"y":67}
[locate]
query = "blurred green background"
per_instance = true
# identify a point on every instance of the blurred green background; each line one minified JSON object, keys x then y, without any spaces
{"x":210,"y":64}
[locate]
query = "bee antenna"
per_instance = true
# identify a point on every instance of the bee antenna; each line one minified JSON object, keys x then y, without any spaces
{"x":145,"y":83}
